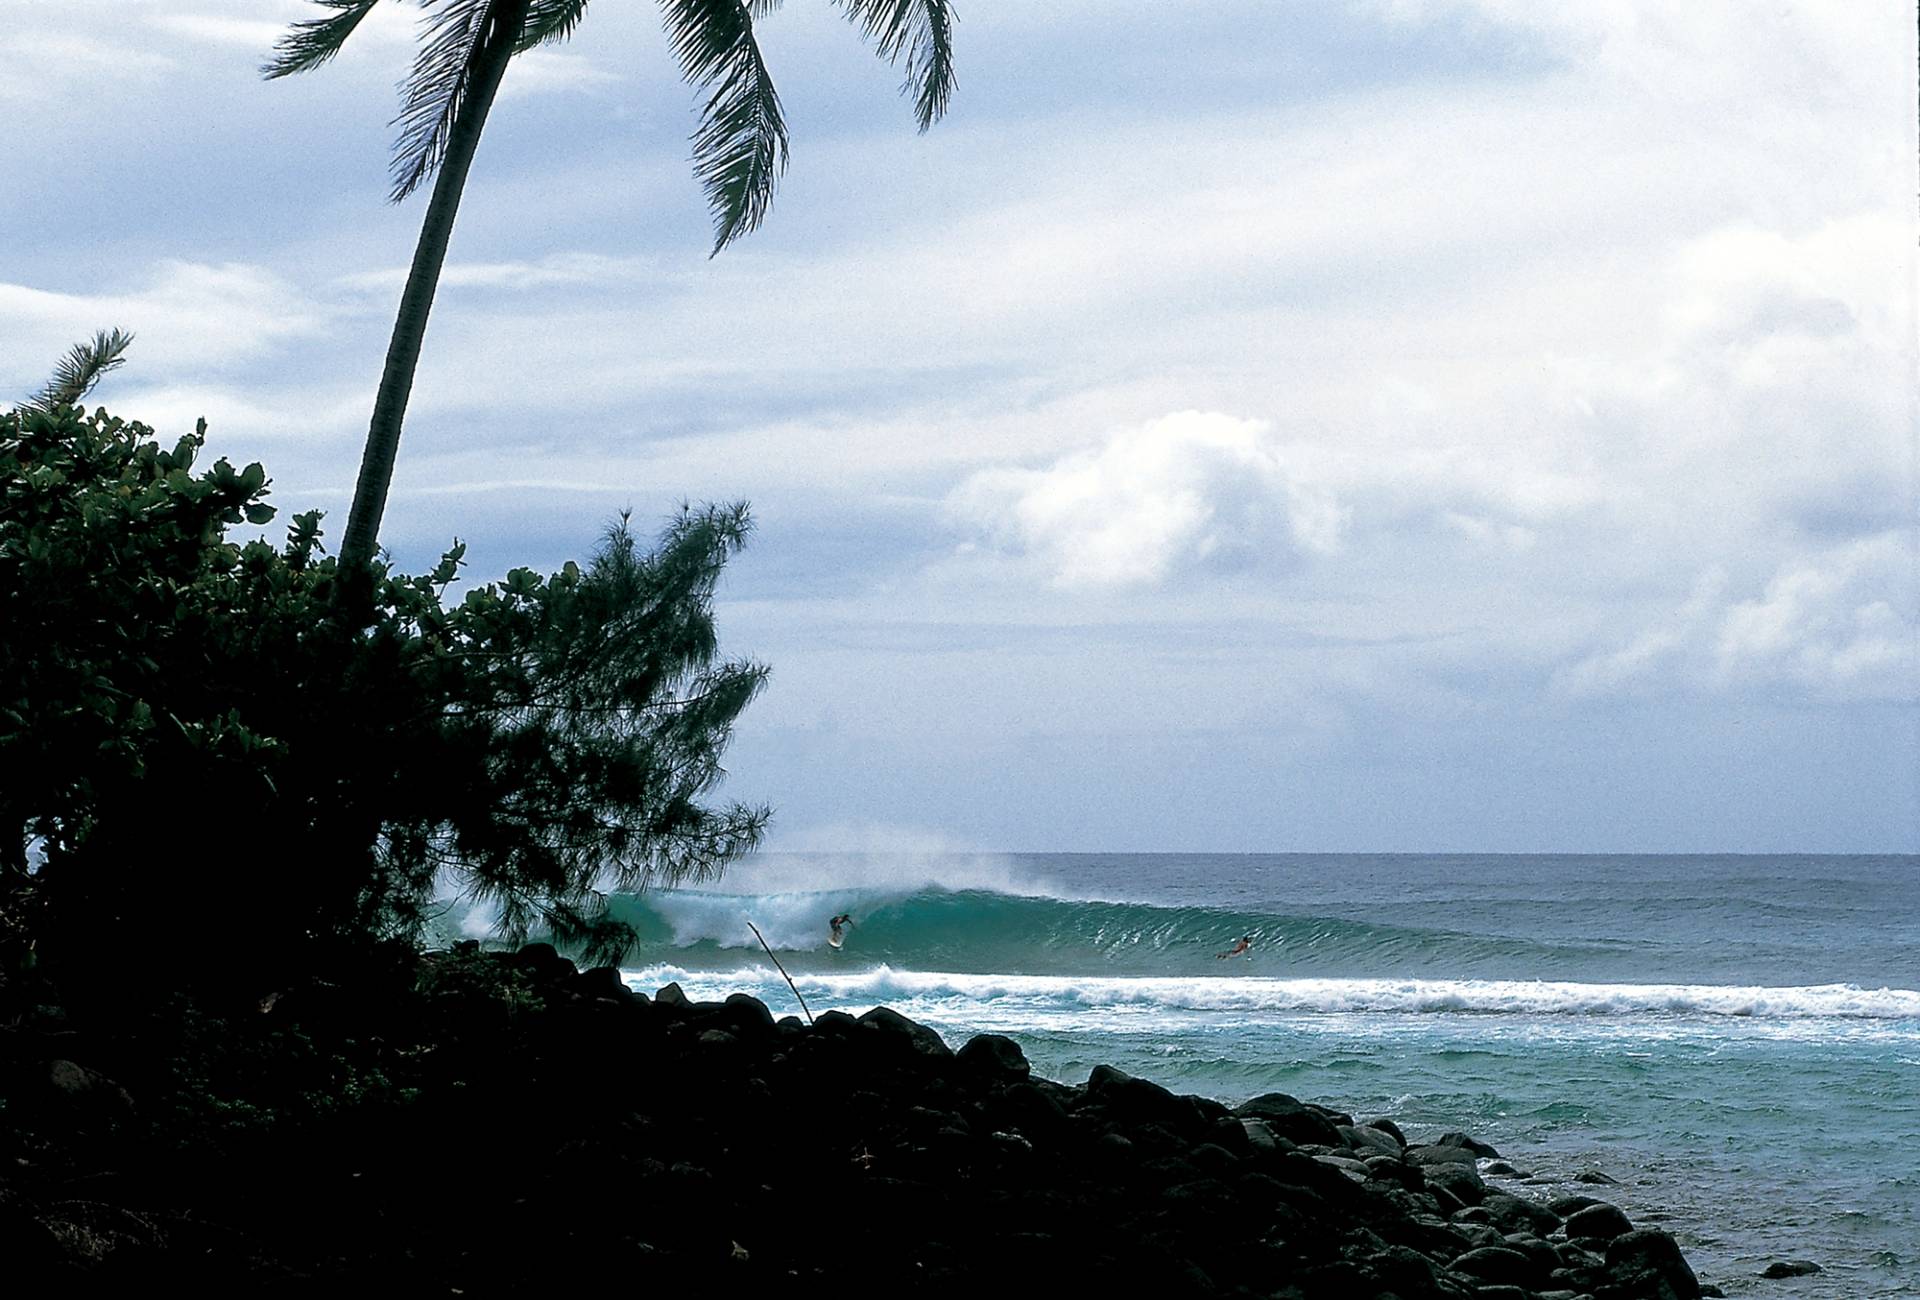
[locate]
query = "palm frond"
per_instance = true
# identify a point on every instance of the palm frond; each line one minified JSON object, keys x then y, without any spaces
{"x":740,"y":147}
{"x":432,"y":94}
{"x":81,"y":369}
{"x":312,"y":42}
{"x":919,"y":35}
{"x":549,"y":22}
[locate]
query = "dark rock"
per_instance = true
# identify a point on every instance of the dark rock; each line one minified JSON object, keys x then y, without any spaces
{"x":1168,"y":1170}
{"x":602,"y":982}
{"x":1503,"y":1169}
{"x":1600,"y":1221}
{"x":1542,"y":1255}
{"x":1260,"y":1136}
{"x":1157,"y":1139}
{"x":1348,"y":1166}
{"x":543,"y":963}
{"x":1444,"y":1202}
{"x":1404,"y":1269}
{"x":1204,"y":1196}
{"x":81,"y":1096}
{"x":1574,"y":1255}
{"x":1208,"y":1109}
{"x":1461,"y":1181}
{"x":833,"y":1023}
{"x":889,"y":1021}
{"x":1498,"y":1264}
{"x":746,"y":1016}
{"x":1647,"y":1264}
{"x":1137,"y":1101}
{"x":1213,"y":1160}
{"x":1010,"y":1143}
{"x":1293,"y":1120}
{"x":1580,"y":1281}
{"x":1399,"y":1172}
{"x":1501,"y":1291}
{"x":1708,"y":1289}
{"x":1596,"y":1178}
{"x":1115,"y":1149}
{"x":1230,"y":1133}
{"x":996,"y":1055}
{"x":1475,"y":1236}
{"x":1370,"y":1141}
{"x":1791,"y":1268}
{"x":1342,"y":1278}
{"x":1568,"y":1206}
{"x":1027,"y":1109}
{"x":1465,"y":1143}
{"x":1517,"y":1214}
{"x":1439,"y":1155}
{"x":1390,"y":1128}
{"x":671,"y":996}
{"x":1427,"y":1235}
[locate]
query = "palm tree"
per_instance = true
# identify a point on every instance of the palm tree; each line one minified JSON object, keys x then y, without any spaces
{"x":83,"y":367}
{"x":739,"y":148}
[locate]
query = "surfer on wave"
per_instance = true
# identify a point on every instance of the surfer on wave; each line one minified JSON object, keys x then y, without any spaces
{"x":1245,"y":945}
{"x":837,"y":929}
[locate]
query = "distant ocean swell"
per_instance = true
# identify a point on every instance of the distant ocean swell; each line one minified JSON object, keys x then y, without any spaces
{"x":983,"y":930}
{"x":990,"y":944}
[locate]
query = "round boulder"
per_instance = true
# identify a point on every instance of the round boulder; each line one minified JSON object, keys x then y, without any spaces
{"x":1647,"y":1262}
{"x":1293,"y":1120}
{"x":1599,"y":1221}
{"x":1496,"y":1264}
{"x":996,"y":1055}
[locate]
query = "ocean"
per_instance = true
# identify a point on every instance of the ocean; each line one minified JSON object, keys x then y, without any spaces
{"x":1734,"y":1039}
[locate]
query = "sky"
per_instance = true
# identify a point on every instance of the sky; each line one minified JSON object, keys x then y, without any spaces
{"x":1371,"y":425}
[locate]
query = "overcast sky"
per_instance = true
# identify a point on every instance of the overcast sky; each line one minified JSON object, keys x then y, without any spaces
{"x":1386,"y":425}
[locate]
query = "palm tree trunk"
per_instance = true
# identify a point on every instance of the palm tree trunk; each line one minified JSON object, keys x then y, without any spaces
{"x":416,"y":300}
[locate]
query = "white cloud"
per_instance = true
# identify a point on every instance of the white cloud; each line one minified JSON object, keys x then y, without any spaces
{"x":1842,"y":623}
{"x":35,"y":62}
{"x":557,"y":269}
{"x":188,"y":315}
{"x":541,"y":72}
{"x":255,"y":34}
{"x":1192,"y":490}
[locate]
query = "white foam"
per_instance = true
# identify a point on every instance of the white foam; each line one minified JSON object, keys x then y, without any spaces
{"x":889,"y":871}
{"x":1258,"y":995}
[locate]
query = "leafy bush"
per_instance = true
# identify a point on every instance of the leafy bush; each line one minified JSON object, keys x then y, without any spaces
{"x":232,"y":756}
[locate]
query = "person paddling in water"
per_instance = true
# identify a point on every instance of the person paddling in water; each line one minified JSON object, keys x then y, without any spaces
{"x":1245,"y":945}
{"x":837,"y":929}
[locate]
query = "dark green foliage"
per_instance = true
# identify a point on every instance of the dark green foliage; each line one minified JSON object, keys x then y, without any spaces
{"x":225,"y":772}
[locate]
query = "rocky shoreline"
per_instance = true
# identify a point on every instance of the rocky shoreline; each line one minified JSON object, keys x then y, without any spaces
{"x":521,"y":1124}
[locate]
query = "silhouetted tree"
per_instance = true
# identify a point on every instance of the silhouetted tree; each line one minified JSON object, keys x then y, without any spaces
{"x":222,"y":779}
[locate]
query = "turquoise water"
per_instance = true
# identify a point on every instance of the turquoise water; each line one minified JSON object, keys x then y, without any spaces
{"x":1735,"y":1039}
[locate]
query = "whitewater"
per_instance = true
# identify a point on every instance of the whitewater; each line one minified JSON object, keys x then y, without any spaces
{"x":1735,"y":1039}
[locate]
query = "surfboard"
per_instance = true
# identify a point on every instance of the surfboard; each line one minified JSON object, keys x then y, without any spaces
{"x":835,"y":940}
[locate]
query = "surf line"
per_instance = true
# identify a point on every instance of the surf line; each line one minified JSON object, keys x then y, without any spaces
{"x":782,"y":969}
